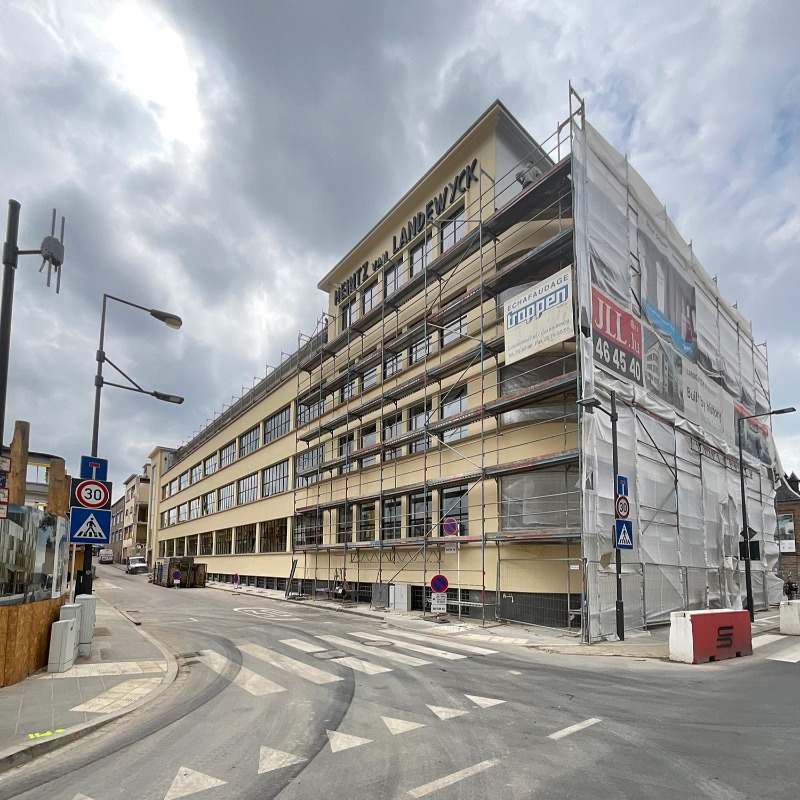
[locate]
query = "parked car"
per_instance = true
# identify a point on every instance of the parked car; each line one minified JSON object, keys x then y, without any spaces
{"x":106,"y":555}
{"x":135,"y":564}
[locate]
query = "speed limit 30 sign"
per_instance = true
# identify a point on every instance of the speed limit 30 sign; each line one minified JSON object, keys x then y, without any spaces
{"x":623,"y":507}
{"x":90,"y":494}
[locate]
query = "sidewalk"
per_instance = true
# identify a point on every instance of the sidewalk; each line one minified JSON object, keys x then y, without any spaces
{"x":126,"y":668}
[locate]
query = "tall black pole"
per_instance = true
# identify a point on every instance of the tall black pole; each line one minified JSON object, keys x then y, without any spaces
{"x":748,"y":581}
{"x":620,"y":608}
{"x":6,"y":305}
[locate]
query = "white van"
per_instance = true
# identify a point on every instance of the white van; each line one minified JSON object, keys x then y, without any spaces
{"x":106,"y":555}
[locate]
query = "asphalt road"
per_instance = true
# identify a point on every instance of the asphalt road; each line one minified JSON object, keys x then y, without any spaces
{"x":278,"y":701}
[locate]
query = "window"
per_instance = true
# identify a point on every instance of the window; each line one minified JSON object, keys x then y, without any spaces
{"x":419,"y":513}
{"x":455,"y":504}
{"x":348,"y":314}
{"x":392,"y":428}
{"x":273,"y":536}
{"x":248,"y":442}
{"x":344,"y":525}
{"x":347,"y":444}
{"x":277,"y":425}
{"x":191,"y":545}
{"x":392,"y":365}
{"x":391,"y":523}
{"x":226,"y":497}
{"x":454,"y":331}
{"x":183,"y":512}
{"x":173,"y":486}
{"x":164,"y":519}
{"x":194,"y":508}
{"x":545,"y":499}
{"x":162,"y":549}
{"x":417,"y":260}
{"x":206,"y":544}
{"x":180,"y":546}
{"x":419,"y":349}
{"x":369,"y":437}
{"x":210,"y":465}
{"x":418,"y":418}
{"x":246,"y":538}
{"x":392,"y":278}
{"x":453,"y":230}
{"x":224,"y":542}
{"x":165,"y":491}
{"x":454,"y":401}
{"x":308,"y":529}
{"x":169,"y":550}
{"x":183,"y":481}
{"x":370,"y":379}
{"x":275,"y":479}
{"x":350,"y":389}
{"x":366,"y":523}
{"x":209,"y":503}
{"x":197,"y":472}
{"x":309,"y":410}
{"x":173,"y":516}
{"x":227,"y":454}
{"x":370,"y":298}
{"x":248,"y":489}
{"x":310,"y":460}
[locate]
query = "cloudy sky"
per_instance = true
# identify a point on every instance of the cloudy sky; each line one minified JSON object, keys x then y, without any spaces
{"x":215,"y":159}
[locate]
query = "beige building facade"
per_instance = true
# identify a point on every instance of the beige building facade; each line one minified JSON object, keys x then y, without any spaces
{"x":135,"y":515}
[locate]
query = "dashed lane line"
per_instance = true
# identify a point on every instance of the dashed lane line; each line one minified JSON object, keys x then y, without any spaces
{"x":455,"y":777}
{"x":574,"y":728}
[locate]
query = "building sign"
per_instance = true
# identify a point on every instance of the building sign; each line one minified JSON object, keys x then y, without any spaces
{"x":617,"y":339}
{"x":785,"y":534}
{"x":434,"y":208}
{"x":539,"y":317}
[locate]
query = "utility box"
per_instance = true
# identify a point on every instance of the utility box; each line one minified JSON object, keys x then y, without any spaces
{"x":400,"y":597}
{"x":63,"y":641}
{"x":88,"y":604}
{"x":72,"y":611}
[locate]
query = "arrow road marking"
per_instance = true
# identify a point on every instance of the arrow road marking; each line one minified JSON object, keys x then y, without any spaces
{"x":400,"y":725}
{"x":447,"y":713}
{"x":188,"y":781}
{"x":344,"y":741}
{"x":483,"y":702}
{"x":270,"y":759}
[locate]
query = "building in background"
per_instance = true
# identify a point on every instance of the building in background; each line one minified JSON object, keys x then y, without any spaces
{"x":136,"y":514}
{"x":117,"y":528}
{"x":429,"y":424}
{"x":787,"y":505}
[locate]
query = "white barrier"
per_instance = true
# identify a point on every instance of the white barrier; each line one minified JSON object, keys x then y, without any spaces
{"x":790,"y":617}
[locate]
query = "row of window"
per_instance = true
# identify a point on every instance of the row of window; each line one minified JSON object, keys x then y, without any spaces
{"x":265,"y":432}
{"x":394,"y":276}
{"x":269,"y":537}
{"x":274,"y":479}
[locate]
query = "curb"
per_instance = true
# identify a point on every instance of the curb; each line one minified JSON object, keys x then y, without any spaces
{"x":27,"y":752}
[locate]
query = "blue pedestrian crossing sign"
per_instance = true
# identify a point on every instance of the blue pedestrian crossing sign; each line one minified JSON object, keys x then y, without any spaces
{"x":623,"y":534}
{"x":89,"y":526}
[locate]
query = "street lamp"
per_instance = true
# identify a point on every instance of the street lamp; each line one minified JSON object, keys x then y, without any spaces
{"x":172,"y":321}
{"x":745,"y":527}
{"x":591,"y":403}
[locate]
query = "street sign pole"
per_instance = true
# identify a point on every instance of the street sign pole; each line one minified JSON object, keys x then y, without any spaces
{"x":620,"y":607}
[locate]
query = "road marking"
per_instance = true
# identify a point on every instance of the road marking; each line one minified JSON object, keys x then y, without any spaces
{"x":108,"y":668}
{"x":245,"y":679}
{"x":414,"y":648}
{"x":268,"y":613}
{"x":574,"y":728}
{"x":378,"y":652}
{"x":464,"y":648}
{"x":119,"y":696}
{"x":357,"y":664}
{"x":447,"y":713}
{"x":449,"y":780}
{"x":483,"y":702}
{"x":289,"y":665}
{"x":791,"y":655}
{"x":106,"y":585}
{"x":486,"y":637}
{"x":81,"y":797}
{"x":765,"y":638}
{"x":400,"y":725}
{"x":344,"y":741}
{"x":270,"y":759}
{"x":192,"y":619}
{"x":188,"y":781}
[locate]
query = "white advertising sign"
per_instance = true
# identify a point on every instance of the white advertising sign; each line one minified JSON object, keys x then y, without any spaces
{"x":539,"y":317}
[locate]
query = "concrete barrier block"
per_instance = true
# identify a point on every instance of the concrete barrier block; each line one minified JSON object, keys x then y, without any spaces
{"x":63,"y":635}
{"x":697,"y":637}
{"x":790,"y":617}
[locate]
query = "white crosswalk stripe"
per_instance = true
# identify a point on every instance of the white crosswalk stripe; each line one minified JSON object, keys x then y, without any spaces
{"x":357,"y":664}
{"x":289,"y":665}
{"x":790,"y":655}
{"x":414,"y":648}
{"x":377,"y":652}
{"x":765,"y":638}
{"x":245,"y":679}
{"x":464,"y":648}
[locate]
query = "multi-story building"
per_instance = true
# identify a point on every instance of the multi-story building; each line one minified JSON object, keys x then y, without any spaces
{"x":117,"y":528}
{"x":787,"y":503}
{"x":430,"y":424}
{"x":137,"y":502}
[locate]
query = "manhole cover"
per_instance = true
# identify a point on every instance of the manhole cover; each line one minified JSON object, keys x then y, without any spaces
{"x":325,"y":654}
{"x":370,"y":643}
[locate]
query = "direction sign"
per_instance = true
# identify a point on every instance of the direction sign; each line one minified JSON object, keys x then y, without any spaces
{"x":439,"y":583}
{"x":623,"y":507}
{"x":623,"y":534}
{"x":89,"y":526}
{"x":94,"y":468}
{"x":450,"y":526}
{"x":439,"y":603}
{"x":90,"y":494}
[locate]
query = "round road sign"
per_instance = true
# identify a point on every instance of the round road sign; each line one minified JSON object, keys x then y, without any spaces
{"x":439,"y":583}
{"x":450,"y":526}
{"x":623,"y":507}
{"x":92,"y":494}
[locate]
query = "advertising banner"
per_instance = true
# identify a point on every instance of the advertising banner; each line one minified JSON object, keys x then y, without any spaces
{"x":785,"y":534}
{"x":617,"y":339}
{"x":539,"y":317}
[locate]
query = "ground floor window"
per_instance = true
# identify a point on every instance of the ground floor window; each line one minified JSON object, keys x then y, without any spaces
{"x":191,"y":545}
{"x":246,"y":538}
{"x":169,"y":550}
{"x":206,"y":544}
{"x":180,"y":547}
{"x":308,"y":529}
{"x":224,"y":542}
{"x":273,"y":536}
